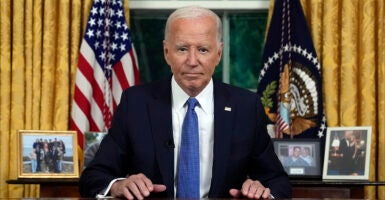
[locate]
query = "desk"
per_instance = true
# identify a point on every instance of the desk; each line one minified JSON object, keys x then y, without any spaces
{"x":301,"y":188}
{"x":53,"y":187}
{"x":331,"y":189}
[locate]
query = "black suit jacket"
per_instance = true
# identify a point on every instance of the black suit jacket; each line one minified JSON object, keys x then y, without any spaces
{"x":347,"y":165}
{"x":140,"y":140}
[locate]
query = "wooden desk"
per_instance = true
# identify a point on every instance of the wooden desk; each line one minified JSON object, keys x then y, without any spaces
{"x":53,"y":187}
{"x":331,"y":189}
{"x":301,"y":188}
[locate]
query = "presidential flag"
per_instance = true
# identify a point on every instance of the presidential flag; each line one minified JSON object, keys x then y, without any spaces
{"x":107,"y":65}
{"x":290,"y":83}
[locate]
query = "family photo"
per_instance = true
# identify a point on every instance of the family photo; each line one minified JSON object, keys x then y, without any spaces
{"x":47,"y":154}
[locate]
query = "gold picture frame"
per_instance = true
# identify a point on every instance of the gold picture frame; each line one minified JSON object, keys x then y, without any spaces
{"x":47,"y":154}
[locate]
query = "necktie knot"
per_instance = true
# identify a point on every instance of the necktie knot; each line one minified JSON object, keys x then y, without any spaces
{"x":192,"y":102}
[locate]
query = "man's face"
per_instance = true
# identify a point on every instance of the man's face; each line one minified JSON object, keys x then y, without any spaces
{"x":305,"y":152}
{"x":349,"y":135}
{"x":296,"y":152}
{"x":192,"y":52}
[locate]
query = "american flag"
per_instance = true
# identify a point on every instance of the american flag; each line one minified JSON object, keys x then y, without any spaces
{"x":106,"y":66}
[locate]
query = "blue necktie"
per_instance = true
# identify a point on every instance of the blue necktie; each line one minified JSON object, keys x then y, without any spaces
{"x":188,"y":167}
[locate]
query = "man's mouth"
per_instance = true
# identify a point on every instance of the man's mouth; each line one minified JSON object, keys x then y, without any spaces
{"x":192,"y":75}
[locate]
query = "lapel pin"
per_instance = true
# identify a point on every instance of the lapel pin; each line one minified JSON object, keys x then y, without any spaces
{"x":228,"y":109}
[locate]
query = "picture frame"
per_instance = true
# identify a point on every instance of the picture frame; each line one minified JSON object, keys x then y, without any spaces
{"x":347,"y":153}
{"x":299,"y":157}
{"x":91,"y":145}
{"x":47,"y":154}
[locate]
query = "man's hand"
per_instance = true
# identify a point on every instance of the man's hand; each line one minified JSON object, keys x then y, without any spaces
{"x":251,"y":189}
{"x":135,"y":186}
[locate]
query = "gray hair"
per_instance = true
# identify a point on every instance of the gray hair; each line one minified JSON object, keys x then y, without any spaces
{"x":190,"y":12}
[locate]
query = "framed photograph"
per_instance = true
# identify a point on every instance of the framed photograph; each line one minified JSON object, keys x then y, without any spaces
{"x":347,"y":153}
{"x":299,"y":157}
{"x":91,"y":145}
{"x":47,"y":154}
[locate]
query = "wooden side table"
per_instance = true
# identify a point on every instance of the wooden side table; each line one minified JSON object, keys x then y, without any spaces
{"x":331,"y":189}
{"x":53,"y":187}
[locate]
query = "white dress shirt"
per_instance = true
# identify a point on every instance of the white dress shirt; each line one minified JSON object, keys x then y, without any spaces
{"x":205,"y":113}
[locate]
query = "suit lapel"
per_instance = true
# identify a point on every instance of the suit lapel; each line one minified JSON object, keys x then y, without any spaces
{"x":224,"y":112}
{"x":161,"y":124}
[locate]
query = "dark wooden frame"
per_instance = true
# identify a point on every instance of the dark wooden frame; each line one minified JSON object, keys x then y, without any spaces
{"x":284,"y":148}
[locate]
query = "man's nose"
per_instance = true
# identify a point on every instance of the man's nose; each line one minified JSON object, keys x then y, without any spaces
{"x":192,"y":58}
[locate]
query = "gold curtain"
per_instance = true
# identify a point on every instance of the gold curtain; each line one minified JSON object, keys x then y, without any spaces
{"x":349,"y":38}
{"x":39,"y":45}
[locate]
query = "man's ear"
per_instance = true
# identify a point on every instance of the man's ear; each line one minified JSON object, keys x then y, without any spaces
{"x":165,"y":51}
{"x":220,"y":52}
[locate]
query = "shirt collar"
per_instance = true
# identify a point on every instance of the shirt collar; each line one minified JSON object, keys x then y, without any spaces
{"x":205,"y":97}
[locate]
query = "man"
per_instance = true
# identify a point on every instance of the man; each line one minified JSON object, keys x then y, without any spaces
{"x":140,"y":155}
{"x":347,"y":151}
{"x":36,"y":145}
{"x":295,"y":160}
{"x":305,"y":155}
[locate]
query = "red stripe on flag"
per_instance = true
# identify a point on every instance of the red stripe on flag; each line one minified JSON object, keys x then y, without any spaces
{"x":98,"y":94}
{"x":84,"y":105}
{"x":135,"y":67}
{"x":119,"y":73}
{"x":79,"y":133}
{"x":82,"y":102}
{"x":85,"y":68}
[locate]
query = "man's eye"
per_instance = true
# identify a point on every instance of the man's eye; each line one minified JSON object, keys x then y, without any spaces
{"x":203,"y":50}
{"x":182,"y":49}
